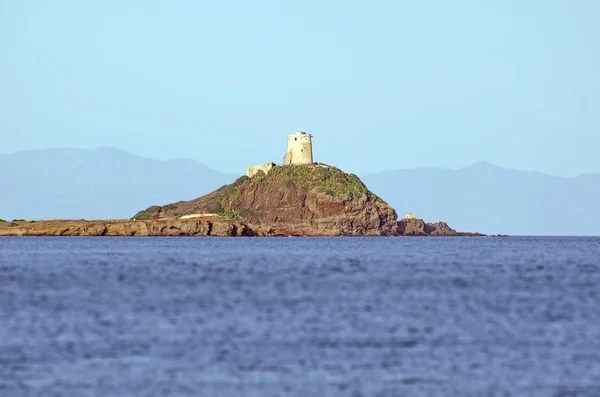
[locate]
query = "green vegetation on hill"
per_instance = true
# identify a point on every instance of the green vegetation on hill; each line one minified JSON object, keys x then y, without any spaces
{"x":329,"y":180}
{"x":214,"y":203}
{"x":147,"y":213}
{"x":231,"y":214}
{"x":233,"y":190}
{"x":234,"y":201}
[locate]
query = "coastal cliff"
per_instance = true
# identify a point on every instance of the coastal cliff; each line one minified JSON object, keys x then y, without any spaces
{"x":215,"y":226}
{"x":295,"y":200}
{"x":171,"y":227}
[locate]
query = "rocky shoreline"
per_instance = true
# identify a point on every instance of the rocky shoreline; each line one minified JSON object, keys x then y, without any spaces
{"x":166,"y":227}
{"x":203,"y":227}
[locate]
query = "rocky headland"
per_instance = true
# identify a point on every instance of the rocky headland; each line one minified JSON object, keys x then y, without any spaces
{"x":290,"y":200}
{"x":163,"y":227}
{"x":303,"y":200}
{"x":294,"y":200}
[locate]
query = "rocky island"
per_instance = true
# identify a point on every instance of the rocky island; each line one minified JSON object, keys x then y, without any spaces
{"x":298,"y":198}
{"x":290,"y":200}
{"x":301,"y":200}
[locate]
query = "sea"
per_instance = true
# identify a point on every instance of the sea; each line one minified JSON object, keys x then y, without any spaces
{"x":339,"y":316}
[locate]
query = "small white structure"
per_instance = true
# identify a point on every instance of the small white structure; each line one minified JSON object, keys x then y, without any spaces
{"x":192,"y":216}
{"x":299,"y":149}
{"x":410,"y":215}
{"x":253,"y":170}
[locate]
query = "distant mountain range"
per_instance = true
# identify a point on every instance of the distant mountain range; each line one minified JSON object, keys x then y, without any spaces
{"x":108,"y":183}
{"x":103,"y":183}
{"x":492,"y":199}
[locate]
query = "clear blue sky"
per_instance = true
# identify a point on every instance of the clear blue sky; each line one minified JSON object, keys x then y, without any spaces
{"x":380,"y":84}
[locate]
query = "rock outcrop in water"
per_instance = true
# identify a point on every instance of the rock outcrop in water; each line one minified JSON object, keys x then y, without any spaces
{"x":295,"y":200}
{"x":418,"y":227}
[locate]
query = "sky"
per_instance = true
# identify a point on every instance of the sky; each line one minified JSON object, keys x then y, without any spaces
{"x":381,"y":85}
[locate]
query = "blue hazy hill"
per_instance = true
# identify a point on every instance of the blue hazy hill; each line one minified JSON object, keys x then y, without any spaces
{"x":491,"y":199}
{"x":110,"y":183}
{"x":96,"y":184}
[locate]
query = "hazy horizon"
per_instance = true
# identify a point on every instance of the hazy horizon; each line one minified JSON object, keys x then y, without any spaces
{"x":241,"y":172}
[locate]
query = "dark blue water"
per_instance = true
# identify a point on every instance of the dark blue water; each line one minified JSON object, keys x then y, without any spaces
{"x":299,"y":317}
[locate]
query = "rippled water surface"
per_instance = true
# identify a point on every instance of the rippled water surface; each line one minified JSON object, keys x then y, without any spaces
{"x":299,"y":317}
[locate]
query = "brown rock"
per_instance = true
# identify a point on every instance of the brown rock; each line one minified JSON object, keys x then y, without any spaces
{"x":418,"y":227}
{"x":295,"y":200}
{"x":168,"y":227}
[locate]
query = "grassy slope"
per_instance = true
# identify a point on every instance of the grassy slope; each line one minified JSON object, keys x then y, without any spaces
{"x":327,"y":180}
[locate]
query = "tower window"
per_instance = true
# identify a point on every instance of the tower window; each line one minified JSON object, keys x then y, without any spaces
{"x":295,"y":139}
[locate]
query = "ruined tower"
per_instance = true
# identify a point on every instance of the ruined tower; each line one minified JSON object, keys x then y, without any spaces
{"x":299,"y":149}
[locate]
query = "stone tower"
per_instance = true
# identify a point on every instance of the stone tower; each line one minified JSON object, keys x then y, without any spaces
{"x":299,"y":149}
